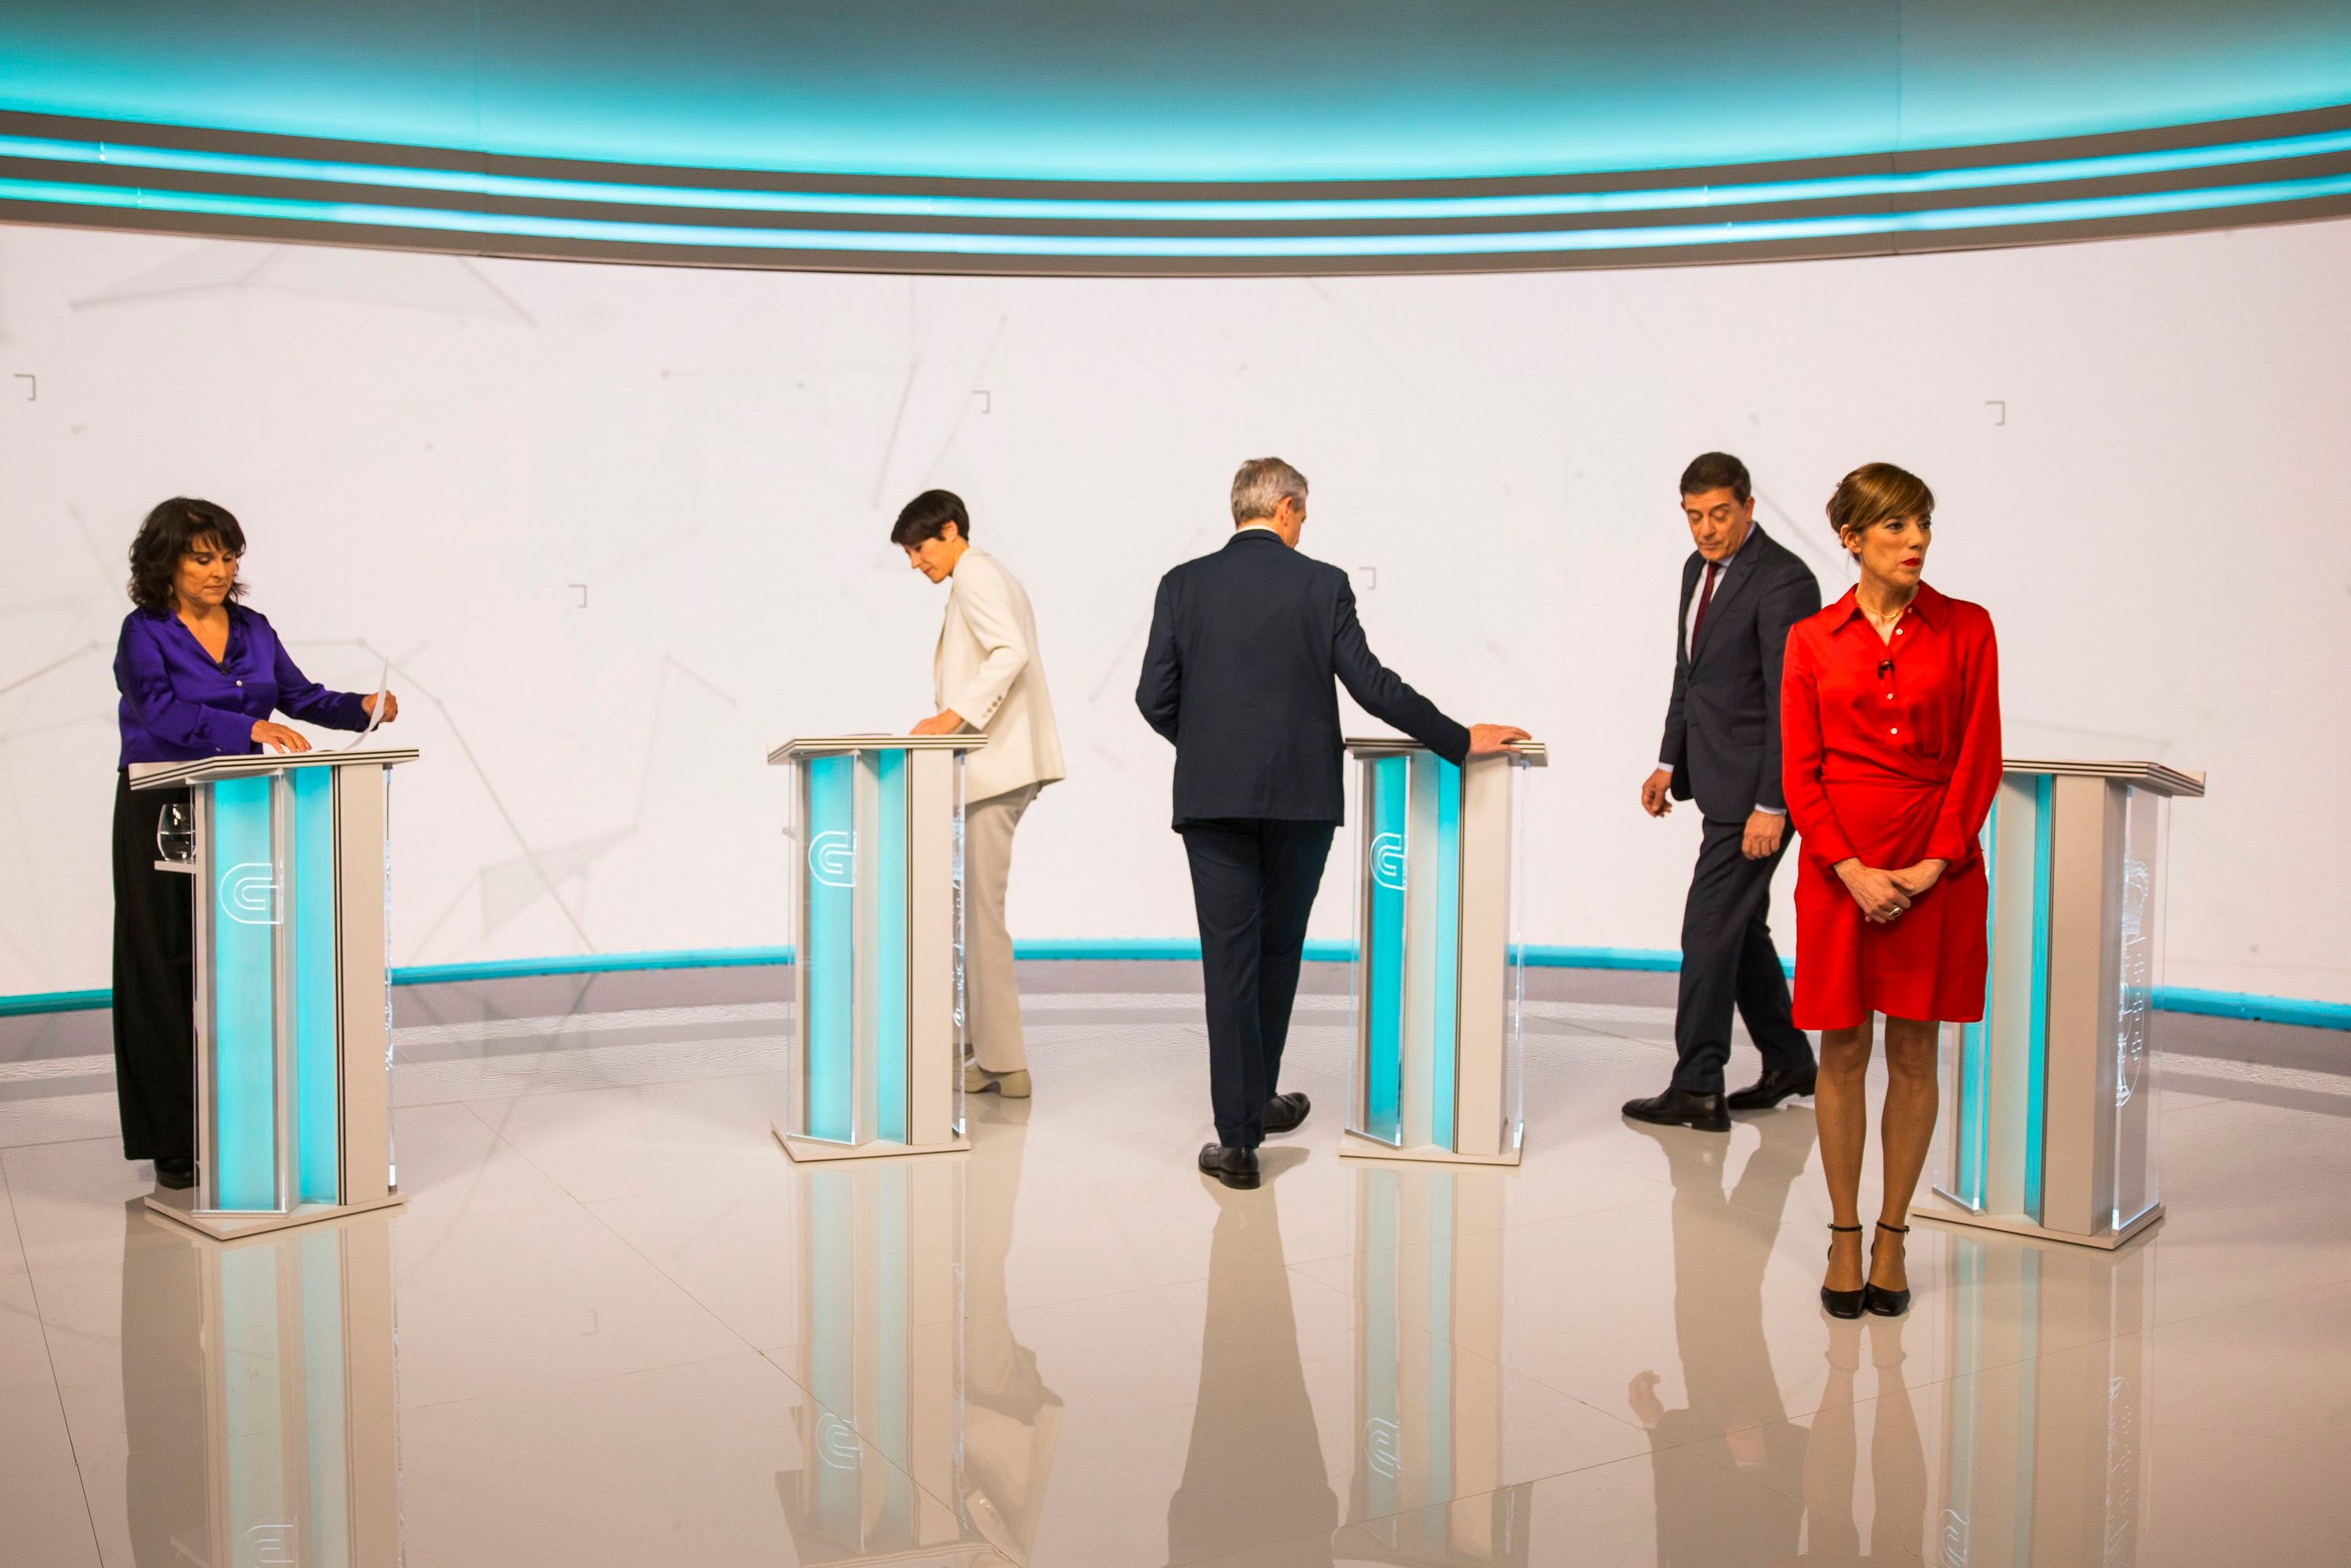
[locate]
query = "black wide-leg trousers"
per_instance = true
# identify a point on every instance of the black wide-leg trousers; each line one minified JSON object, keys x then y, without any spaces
{"x":154,"y":984}
{"x":1729,"y":962}
{"x":1253,"y":886}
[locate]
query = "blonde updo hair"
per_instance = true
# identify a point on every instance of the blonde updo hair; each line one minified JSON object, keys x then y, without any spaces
{"x":1874,"y":492}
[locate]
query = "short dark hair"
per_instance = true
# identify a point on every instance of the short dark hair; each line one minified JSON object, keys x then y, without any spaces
{"x":171,"y":531}
{"x":1717,"y":471}
{"x":926,"y":517}
{"x":1874,"y":492}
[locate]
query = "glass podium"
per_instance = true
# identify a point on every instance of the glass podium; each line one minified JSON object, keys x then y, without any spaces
{"x":286,"y":858}
{"x":878,"y":1026}
{"x":1439,"y":970}
{"x":2051,"y":1125}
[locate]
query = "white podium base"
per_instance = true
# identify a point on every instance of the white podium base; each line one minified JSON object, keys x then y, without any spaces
{"x":1948,"y":1213}
{"x":181,"y":1205}
{"x":814,"y":1151}
{"x":1354,"y":1145}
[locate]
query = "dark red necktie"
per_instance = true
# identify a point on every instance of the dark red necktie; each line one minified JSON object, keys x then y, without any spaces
{"x":1705,"y":598}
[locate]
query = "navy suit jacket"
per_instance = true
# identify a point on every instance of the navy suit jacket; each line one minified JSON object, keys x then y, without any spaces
{"x":1244,"y":646}
{"x":1722,"y":725}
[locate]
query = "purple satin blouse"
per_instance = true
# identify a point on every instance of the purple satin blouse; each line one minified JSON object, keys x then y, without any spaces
{"x":179,"y":706}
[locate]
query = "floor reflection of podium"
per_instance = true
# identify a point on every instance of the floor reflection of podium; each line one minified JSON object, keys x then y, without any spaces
{"x":1429,"y":1420}
{"x":2045,"y":1456}
{"x":260,"y":1395}
{"x":906,"y":1344}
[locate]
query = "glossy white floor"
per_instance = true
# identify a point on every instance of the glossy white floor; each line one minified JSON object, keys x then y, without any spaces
{"x":613,"y":1325}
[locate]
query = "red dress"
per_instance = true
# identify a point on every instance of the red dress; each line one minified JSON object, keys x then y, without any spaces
{"x":1890,"y":753}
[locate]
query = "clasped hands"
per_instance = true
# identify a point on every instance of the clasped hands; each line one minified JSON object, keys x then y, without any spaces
{"x":1884,"y":894}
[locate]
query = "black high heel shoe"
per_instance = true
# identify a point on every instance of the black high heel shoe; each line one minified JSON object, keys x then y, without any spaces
{"x":1843,"y":1303}
{"x":1880,"y":1301}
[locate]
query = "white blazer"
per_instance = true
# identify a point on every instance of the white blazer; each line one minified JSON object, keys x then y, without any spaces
{"x":988,"y":669}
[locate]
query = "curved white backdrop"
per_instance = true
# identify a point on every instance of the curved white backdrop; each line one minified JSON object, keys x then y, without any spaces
{"x":618,"y":530}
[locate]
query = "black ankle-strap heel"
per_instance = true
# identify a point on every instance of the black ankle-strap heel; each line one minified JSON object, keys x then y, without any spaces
{"x":1877,"y":1299}
{"x":1843,"y":1303}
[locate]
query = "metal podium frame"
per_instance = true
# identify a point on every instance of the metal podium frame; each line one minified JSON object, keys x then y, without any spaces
{"x":1439,"y":976}
{"x":292,"y":995}
{"x":2054,"y":1127}
{"x":877,"y":911}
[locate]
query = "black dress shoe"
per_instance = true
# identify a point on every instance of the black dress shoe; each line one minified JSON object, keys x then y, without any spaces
{"x":1285,"y":1112}
{"x":1877,"y":1300}
{"x":1680,"y":1108}
{"x":1775,"y":1085}
{"x":1234,"y":1167}
{"x":179,"y":1175}
{"x":1843,"y":1303}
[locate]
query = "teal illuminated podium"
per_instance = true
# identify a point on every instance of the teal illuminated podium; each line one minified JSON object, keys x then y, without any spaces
{"x":1439,"y":973}
{"x":286,"y":857}
{"x":2050,"y":1125}
{"x":878,"y":1026}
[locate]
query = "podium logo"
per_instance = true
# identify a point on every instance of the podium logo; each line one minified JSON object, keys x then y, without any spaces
{"x":836,"y":1443}
{"x":1382,"y":1448}
{"x":271,"y":1545}
{"x":248,"y":894}
{"x":1387,"y":860}
{"x":832,"y":859}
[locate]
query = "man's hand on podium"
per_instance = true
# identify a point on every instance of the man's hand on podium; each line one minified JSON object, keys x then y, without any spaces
{"x":1493,"y":740}
{"x":947,"y":721}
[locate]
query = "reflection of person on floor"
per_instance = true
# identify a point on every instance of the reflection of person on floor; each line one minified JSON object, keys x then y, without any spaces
{"x":1898,"y":1459}
{"x":166,"y":1490}
{"x":1254,"y":1471}
{"x":1722,"y":1244}
{"x":1011,"y":1422}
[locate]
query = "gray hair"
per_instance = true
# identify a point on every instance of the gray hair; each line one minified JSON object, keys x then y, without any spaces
{"x":1260,"y":484}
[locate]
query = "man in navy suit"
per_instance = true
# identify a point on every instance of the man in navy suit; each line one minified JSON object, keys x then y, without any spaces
{"x":1244,"y":646}
{"x":1740,"y":592}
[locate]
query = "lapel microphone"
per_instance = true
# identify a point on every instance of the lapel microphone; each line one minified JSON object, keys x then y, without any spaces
{"x":1884,"y":668}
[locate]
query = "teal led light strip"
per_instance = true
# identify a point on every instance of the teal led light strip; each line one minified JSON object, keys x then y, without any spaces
{"x":110,"y":154}
{"x":1974,"y":1129}
{"x":887,"y":992}
{"x":1174,"y":248}
{"x":247,"y":904}
{"x":1445,"y":1042}
{"x":318,"y":1066}
{"x":2303,"y":1012}
{"x":1390,"y":781}
{"x":829,"y":989}
{"x":2036,"y":1044}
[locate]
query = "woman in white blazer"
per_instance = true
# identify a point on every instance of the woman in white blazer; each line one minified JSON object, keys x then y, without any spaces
{"x":987,"y":675}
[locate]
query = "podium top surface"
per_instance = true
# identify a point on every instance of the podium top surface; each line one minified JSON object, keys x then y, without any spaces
{"x":828,"y":744}
{"x":2152,"y":776}
{"x":1533,"y":753}
{"x":204,"y":770}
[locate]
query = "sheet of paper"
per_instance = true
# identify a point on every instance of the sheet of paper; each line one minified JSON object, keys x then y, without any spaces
{"x":382,"y":688}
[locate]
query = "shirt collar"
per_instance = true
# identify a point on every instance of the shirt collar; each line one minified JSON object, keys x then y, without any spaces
{"x":1248,"y":529}
{"x":1928,"y":606}
{"x":1744,"y":546}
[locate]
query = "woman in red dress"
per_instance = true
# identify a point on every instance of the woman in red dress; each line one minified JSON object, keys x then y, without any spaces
{"x":1890,"y":747}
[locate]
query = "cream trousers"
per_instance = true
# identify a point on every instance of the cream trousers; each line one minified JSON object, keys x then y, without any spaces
{"x":991,"y":994}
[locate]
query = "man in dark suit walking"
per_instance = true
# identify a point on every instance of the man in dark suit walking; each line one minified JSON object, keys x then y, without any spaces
{"x":1244,"y":645}
{"x":1740,"y":592}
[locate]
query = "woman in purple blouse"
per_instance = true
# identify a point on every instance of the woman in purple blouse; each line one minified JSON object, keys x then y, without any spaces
{"x":200,"y":676}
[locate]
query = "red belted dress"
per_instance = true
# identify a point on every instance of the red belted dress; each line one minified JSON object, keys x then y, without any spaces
{"x":1890,"y":754}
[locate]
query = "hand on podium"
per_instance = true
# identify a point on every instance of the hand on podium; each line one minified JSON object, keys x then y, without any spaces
{"x":1493,"y":740}
{"x":947,"y":721}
